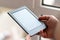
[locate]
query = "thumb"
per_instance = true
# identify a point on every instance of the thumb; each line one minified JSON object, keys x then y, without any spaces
{"x":45,"y":17}
{"x":45,"y":21}
{"x":43,"y":34}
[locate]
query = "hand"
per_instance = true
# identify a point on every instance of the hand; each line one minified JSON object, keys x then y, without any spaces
{"x":51,"y":23}
{"x":28,"y":37}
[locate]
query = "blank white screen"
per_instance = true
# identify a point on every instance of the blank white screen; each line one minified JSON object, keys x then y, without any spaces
{"x":25,"y":18}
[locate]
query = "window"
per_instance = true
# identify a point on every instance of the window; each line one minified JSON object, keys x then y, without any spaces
{"x":53,"y":4}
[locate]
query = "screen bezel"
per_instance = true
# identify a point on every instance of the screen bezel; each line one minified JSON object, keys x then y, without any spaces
{"x":21,"y":8}
{"x":24,"y":7}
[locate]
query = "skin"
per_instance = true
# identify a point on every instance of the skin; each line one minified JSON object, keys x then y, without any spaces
{"x":28,"y":37}
{"x":51,"y":23}
{"x":57,"y":32}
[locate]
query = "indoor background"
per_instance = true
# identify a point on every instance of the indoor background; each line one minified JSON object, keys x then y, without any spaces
{"x":7,"y":24}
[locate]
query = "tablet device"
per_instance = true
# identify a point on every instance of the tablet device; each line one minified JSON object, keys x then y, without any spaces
{"x":27,"y":20}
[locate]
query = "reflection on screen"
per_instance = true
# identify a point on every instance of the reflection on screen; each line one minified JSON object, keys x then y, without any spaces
{"x":28,"y":21}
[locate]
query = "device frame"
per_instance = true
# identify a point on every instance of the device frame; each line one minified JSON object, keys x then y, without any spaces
{"x":24,"y":7}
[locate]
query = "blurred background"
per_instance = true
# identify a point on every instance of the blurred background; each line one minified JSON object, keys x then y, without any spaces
{"x":7,"y":24}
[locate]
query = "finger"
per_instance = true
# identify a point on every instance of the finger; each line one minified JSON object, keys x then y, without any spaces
{"x":45,"y":21}
{"x":28,"y":37}
{"x":39,"y":32}
{"x":43,"y":34}
{"x":45,"y":17}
